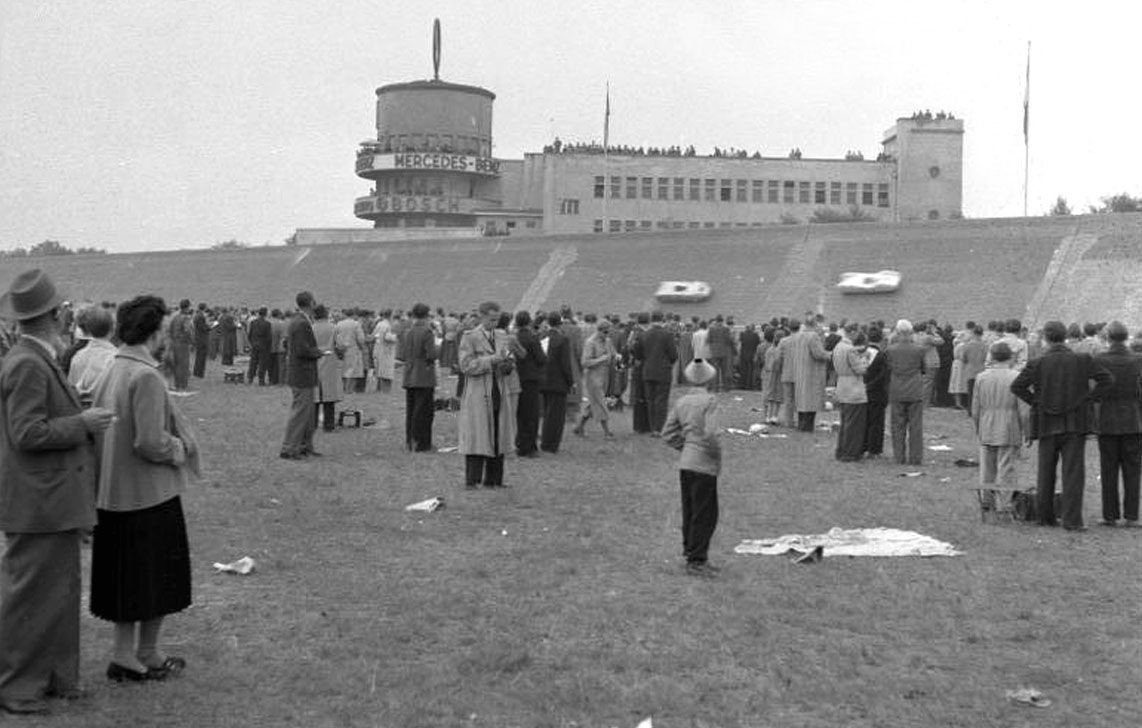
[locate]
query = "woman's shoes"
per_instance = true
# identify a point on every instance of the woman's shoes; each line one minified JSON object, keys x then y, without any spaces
{"x":170,"y":666}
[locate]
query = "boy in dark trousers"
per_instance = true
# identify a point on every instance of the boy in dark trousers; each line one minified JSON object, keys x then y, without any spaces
{"x":691,"y":429}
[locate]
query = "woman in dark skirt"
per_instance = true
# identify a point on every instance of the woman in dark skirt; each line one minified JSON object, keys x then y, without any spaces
{"x":140,"y":562}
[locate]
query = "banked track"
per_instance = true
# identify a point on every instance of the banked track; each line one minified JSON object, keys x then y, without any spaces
{"x":1075,"y":268}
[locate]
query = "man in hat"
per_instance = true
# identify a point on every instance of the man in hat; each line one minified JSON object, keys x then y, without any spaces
{"x":302,"y":378}
{"x":1056,"y":385}
{"x":47,"y":497}
{"x":692,"y":430}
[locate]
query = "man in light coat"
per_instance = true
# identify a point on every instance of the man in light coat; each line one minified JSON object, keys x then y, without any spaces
{"x":806,"y":360}
{"x":998,"y":424}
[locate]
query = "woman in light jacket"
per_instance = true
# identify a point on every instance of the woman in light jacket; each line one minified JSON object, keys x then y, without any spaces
{"x":598,"y":357}
{"x":850,"y":361}
{"x":385,"y":350}
{"x":140,"y":559}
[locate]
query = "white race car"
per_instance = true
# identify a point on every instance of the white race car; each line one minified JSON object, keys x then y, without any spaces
{"x":882,"y":281}
{"x":683,"y":291}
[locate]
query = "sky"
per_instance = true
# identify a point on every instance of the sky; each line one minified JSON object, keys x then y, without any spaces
{"x":141,"y":125}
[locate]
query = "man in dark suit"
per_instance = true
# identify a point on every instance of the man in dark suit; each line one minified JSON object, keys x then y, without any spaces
{"x":558,"y":378}
{"x":261,"y":342}
{"x":1120,"y":428}
{"x":418,"y":352}
{"x":1056,"y":385}
{"x":750,"y":340}
{"x":201,"y":340}
{"x":876,"y":388}
{"x":302,"y":379}
{"x":720,"y":340}
{"x":530,"y":368}
{"x":905,"y":360}
{"x":47,"y":496}
{"x":657,"y":352}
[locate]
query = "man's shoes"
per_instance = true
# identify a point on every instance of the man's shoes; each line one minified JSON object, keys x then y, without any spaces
{"x":292,"y":456}
{"x":1108,"y":523}
{"x":32,"y":706}
{"x":313,"y":454}
{"x":72,"y":693}
{"x":701,"y":568}
{"x":1075,"y":529}
{"x":118,"y":673}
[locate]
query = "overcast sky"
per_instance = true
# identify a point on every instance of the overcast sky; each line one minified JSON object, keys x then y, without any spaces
{"x":140,"y":125}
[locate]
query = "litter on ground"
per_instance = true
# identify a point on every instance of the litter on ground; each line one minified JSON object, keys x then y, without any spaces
{"x":451,"y":448}
{"x":851,"y":542}
{"x":1028,"y":696}
{"x":429,"y":505}
{"x":243,"y":566}
{"x":940,"y":448}
{"x":912,"y":474}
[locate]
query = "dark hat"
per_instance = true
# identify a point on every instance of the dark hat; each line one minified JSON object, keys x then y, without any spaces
{"x":31,"y":294}
{"x":1116,"y":331}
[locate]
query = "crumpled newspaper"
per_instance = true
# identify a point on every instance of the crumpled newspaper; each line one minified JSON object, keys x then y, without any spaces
{"x":243,"y":566}
{"x":430,"y":505}
{"x":1029,"y":696}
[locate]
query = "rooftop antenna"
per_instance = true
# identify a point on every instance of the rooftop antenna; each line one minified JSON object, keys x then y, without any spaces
{"x":436,"y":49}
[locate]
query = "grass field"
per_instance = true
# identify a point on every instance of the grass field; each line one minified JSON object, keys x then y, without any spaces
{"x":561,"y":601}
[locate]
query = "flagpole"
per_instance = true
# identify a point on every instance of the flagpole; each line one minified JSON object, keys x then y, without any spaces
{"x":606,"y":169}
{"x":1026,"y":130}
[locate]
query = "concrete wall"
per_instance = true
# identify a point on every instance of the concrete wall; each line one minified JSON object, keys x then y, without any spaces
{"x":930,"y":164}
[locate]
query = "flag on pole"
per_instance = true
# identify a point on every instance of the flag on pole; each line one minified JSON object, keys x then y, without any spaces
{"x":607,"y":120}
{"x":1027,"y":97}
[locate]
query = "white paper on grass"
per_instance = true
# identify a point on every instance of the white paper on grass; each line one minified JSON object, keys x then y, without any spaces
{"x":429,"y":505}
{"x":940,"y":448}
{"x":243,"y":566}
{"x":851,"y":542}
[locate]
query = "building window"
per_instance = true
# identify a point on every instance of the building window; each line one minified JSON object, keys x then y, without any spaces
{"x":804,"y":193}
{"x":644,"y":225}
{"x":598,"y":226}
{"x":709,"y":224}
{"x":834,"y":193}
{"x":632,"y":188}
{"x":882,"y":194}
{"x":531,"y":223}
{"x":774,"y":191}
{"x":742,"y":191}
{"x":678,"y":224}
{"x":790,"y":194}
{"x":662,"y":224}
{"x":819,"y":193}
{"x":759,"y":190}
{"x":647,"y":188}
{"x":727,"y":191}
{"x":695,"y":189}
{"x":615,"y":226}
{"x":616,"y":187}
{"x":695,"y":225}
{"x":850,"y":193}
{"x":569,"y":207}
{"x":629,"y":226}
{"x":679,"y":189}
{"x":664,"y":188}
{"x":866,"y":194}
{"x":600,"y":186}
{"x":711,"y":190}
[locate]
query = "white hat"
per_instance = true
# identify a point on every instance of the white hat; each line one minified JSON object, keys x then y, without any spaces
{"x":699,"y":372}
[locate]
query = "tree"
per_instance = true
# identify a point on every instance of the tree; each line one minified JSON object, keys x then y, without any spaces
{"x":853,"y":214}
{"x":1061,"y":208}
{"x":50,"y":247}
{"x":90,"y":251}
{"x":1121,"y":202}
{"x":231,"y":244}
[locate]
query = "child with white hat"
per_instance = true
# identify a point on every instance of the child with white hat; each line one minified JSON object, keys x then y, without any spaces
{"x":691,"y":429}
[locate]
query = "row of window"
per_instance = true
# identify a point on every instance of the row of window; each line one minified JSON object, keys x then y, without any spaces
{"x":630,"y":226}
{"x":742,"y":190}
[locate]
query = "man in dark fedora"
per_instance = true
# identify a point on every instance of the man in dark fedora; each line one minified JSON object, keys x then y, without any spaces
{"x":302,"y":379}
{"x":47,"y":496}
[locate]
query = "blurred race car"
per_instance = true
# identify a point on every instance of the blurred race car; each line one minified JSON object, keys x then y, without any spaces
{"x":882,"y":281}
{"x":683,"y":291}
